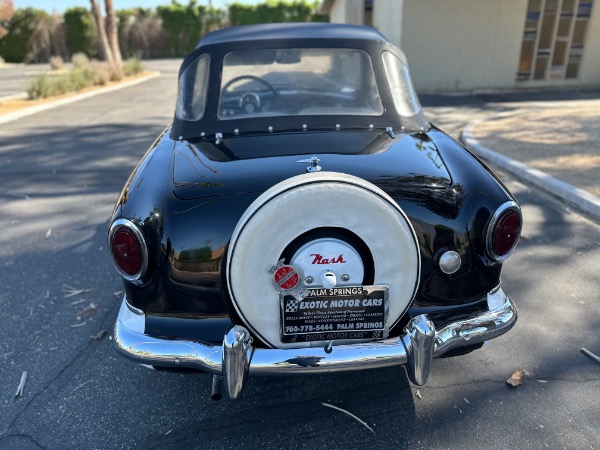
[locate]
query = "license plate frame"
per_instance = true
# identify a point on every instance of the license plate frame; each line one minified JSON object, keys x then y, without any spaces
{"x":341,"y":313}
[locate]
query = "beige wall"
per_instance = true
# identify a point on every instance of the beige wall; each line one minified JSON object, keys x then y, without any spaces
{"x":347,"y":11}
{"x":589,"y":71}
{"x":387,"y":18}
{"x":464,"y":45}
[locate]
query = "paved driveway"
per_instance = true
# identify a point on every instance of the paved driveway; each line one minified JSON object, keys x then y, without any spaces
{"x":13,"y":77}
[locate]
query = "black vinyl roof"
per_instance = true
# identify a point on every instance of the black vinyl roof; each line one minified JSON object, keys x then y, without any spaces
{"x":279,"y":31}
{"x":217,"y":44}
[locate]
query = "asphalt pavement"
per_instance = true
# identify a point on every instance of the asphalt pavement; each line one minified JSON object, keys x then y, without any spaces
{"x":14,"y":77}
{"x":61,"y":172}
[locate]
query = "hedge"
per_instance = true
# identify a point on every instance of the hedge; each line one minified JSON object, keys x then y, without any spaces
{"x":81,"y":32}
{"x":169,"y":31}
{"x":15,"y":45}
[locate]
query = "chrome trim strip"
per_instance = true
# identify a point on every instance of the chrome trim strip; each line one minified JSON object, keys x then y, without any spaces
{"x":416,"y":351}
{"x":488,"y":234}
{"x":140,"y":237}
{"x":133,"y":309}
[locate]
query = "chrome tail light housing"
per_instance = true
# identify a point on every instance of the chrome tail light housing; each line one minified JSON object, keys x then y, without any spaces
{"x":128,"y":249}
{"x":504,"y":231}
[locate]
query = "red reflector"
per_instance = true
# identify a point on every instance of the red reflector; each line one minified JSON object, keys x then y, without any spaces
{"x":506,"y":232}
{"x":289,"y":283}
{"x":127,"y":251}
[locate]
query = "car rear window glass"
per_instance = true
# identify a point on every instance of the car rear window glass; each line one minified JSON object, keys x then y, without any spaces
{"x":298,"y":82}
{"x":404,"y":95}
{"x":193,"y":82}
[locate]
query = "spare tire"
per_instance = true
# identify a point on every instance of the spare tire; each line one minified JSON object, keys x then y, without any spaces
{"x":301,"y":205}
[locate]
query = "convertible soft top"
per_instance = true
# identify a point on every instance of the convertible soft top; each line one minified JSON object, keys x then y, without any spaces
{"x":280,"y":31}
{"x":274,"y":54}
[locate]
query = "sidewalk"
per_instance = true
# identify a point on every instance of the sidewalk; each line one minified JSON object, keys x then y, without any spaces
{"x":554,"y":145}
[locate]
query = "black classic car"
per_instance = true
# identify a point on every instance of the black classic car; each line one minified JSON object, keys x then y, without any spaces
{"x":301,"y":215}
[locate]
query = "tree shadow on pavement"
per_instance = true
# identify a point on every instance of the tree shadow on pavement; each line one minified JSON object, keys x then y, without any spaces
{"x":80,"y":393}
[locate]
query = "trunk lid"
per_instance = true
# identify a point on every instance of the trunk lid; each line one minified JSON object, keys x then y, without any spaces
{"x":249,"y":164}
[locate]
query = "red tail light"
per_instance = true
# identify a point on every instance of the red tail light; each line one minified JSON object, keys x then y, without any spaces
{"x":128,"y":249}
{"x":504,"y":231}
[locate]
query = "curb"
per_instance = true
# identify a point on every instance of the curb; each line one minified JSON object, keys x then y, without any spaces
{"x":578,"y":198}
{"x":25,"y":112}
{"x":19,"y":96}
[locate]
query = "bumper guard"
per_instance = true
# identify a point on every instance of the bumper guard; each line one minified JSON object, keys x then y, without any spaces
{"x":236,"y":358}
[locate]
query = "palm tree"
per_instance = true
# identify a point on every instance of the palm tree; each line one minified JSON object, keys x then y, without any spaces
{"x":105,"y":50}
{"x":113,"y":32}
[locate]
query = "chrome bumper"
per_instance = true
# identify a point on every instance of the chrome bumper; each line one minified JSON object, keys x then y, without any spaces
{"x":236,"y":358}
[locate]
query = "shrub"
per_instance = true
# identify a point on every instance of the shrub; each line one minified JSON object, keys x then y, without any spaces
{"x":80,"y":61}
{"x":38,"y":87}
{"x":83,"y":74}
{"x":116,"y":73}
{"x":46,"y":39}
{"x":56,"y":63}
{"x":272,"y":12}
{"x":80,"y":30}
{"x":15,"y":45}
{"x":182,"y":25}
{"x":132,"y":66}
{"x":141,"y":34}
{"x":59,"y":85}
{"x":81,"y":78}
{"x":100,"y":73}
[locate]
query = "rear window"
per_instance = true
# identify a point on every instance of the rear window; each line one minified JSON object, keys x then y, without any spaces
{"x":298,"y":82}
{"x":193,"y":84}
{"x":404,"y":95}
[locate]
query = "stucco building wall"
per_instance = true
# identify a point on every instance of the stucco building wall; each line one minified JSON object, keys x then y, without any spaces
{"x":475,"y":49}
{"x":387,"y":18}
{"x":347,"y":11}
{"x":589,"y":73}
{"x":465,"y":45}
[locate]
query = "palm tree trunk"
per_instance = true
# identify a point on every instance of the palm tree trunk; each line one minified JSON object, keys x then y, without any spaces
{"x":105,"y":51}
{"x":113,"y":32}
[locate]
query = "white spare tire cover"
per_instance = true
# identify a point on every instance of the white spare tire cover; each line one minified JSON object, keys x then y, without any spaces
{"x":304,"y":203}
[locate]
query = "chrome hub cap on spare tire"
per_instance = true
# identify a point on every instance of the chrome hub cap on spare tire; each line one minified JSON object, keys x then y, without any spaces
{"x":362,"y":237}
{"x":329,"y":262}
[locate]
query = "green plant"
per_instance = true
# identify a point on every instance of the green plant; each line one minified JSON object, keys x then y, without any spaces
{"x":100,"y":73}
{"x":60,"y":85}
{"x":273,"y":11}
{"x":182,"y":25}
{"x":80,"y":30}
{"x":16,"y":43}
{"x":38,"y":87}
{"x":56,"y":63}
{"x":132,"y":66}
{"x":116,"y":72}
{"x":80,"y":61}
{"x":83,"y":74}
